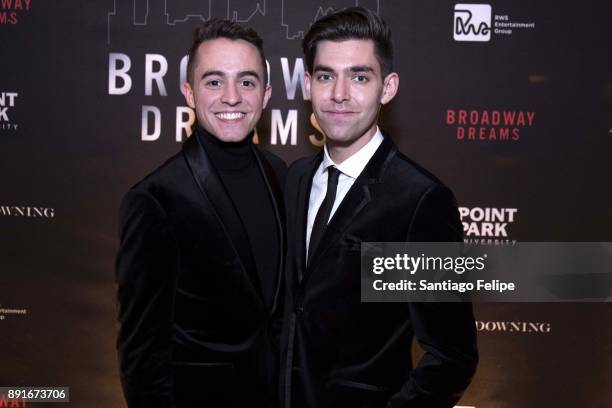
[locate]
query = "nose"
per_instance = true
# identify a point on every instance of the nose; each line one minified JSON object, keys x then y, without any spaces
{"x":340,"y":92}
{"x":231,"y":95}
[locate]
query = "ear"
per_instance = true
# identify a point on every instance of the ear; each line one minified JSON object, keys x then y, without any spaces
{"x":390,"y":88}
{"x":188,"y":94}
{"x":307,"y":80}
{"x":267,"y":95}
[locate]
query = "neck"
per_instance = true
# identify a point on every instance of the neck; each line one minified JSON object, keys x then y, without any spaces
{"x":203,"y":134}
{"x":339,"y":152}
{"x":231,"y":156}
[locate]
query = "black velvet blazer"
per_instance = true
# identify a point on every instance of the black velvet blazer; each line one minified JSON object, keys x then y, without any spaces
{"x":194,"y":328}
{"x":340,"y":352}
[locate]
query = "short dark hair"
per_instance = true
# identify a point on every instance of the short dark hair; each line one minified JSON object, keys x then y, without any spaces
{"x":218,"y":28}
{"x":351,"y":23}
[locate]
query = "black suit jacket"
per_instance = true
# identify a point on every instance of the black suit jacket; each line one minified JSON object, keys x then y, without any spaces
{"x":194,"y":328}
{"x":339,"y":352}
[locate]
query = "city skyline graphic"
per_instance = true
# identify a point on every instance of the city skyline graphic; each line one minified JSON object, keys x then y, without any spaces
{"x":293,"y":17}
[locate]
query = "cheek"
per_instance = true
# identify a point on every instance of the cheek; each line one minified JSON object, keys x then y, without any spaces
{"x":318,"y":92}
{"x":318,"y":99}
{"x":368,"y":100}
{"x":253,"y":98}
{"x":205,"y":98}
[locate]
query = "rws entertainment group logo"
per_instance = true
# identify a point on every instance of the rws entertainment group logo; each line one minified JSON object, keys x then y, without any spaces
{"x":26,"y":211}
{"x":7,"y":103}
{"x":476,"y":23}
{"x":5,"y":312}
{"x":472,"y":22}
{"x":487,"y":225}
{"x":12,"y":10}
{"x":489,"y":125}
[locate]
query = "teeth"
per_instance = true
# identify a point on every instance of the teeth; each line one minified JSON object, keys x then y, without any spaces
{"x":230,"y":115}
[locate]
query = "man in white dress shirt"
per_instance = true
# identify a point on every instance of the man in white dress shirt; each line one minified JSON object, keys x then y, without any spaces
{"x":336,"y":351}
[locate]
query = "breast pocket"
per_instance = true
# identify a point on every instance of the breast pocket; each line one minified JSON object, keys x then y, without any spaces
{"x":351,"y":242}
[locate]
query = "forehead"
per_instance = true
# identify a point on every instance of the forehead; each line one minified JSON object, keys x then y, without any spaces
{"x":222,"y":54}
{"x":345,"y":54}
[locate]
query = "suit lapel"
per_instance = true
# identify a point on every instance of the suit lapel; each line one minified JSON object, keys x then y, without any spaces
{"x":215,"y":194}
{"x":276,"y":196}
{"x":354,"y":202}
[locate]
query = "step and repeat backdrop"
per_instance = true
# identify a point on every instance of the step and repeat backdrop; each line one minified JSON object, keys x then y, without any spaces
{"x":508,"y":102}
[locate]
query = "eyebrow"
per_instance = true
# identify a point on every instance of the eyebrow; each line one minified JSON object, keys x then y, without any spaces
{"x":241,"y":74}
{"x":249,"y":73}
{"x":361,"y":68}
{"x":355,"y":68}
{"x":211,"y":73}
{"x":323,"y":68}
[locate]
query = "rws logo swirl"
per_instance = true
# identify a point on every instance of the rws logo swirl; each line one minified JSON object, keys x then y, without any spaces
{"x":472,"y":22}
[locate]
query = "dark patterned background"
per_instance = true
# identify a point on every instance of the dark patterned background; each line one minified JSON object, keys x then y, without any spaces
{"x":70,"y":149}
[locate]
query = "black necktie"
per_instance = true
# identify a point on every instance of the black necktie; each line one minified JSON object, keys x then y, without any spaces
{"x":320,"y":222}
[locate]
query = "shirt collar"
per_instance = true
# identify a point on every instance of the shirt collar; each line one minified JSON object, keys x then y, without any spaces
{"x":354,"y":165}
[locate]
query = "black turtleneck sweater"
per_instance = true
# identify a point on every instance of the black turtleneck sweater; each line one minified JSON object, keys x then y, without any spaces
{"x":237,"y":167}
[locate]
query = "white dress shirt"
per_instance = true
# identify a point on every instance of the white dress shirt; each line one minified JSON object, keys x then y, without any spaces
{"x":350,"y":169}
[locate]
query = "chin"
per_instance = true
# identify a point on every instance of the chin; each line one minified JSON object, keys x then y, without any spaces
{"x":232,"y":138}
{"x":337,"y":134}
{"x":340,"y":138}
{"x":228,"y":134}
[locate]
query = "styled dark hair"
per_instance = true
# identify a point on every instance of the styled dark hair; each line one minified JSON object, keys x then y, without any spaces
{"x":348,"y":24}
{"x":218,"y":28}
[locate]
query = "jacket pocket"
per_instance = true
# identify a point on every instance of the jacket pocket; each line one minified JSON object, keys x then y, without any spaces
{"x":220,"y":365}
{"x":359,"y":385}
{"x":347,"y":393}
{"x":351,"y":242}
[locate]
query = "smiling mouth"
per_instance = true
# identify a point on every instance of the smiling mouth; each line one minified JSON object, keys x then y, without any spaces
{"x":339,"y":113}
{"x":229,"y":116}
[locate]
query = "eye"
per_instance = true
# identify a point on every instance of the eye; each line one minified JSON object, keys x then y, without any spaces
{"x":247,"y":83}
{"x":213,"y":83}
{"x":360,"y":78}
{"x":324,"y":77}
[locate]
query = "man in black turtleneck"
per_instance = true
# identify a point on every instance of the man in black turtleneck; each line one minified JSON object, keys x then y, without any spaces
{"x":202,"y":243}
{"x":237,"y":167}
